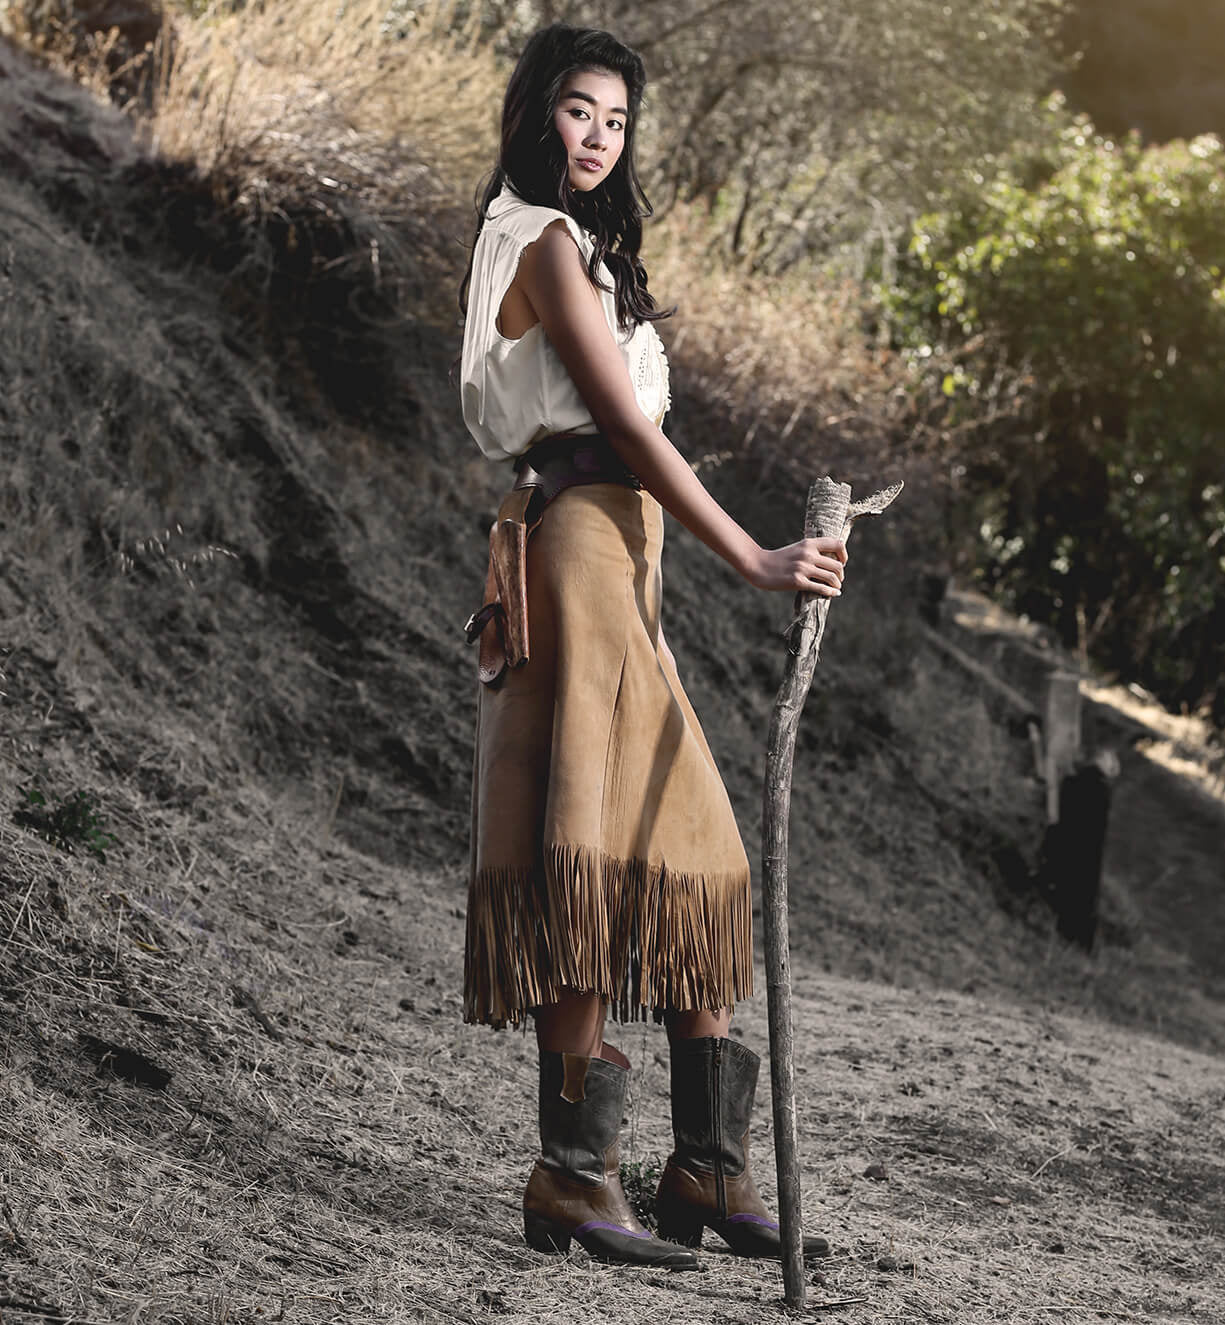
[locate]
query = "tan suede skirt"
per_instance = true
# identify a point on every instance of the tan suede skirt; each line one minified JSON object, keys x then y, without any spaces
{"x":605,"y":855}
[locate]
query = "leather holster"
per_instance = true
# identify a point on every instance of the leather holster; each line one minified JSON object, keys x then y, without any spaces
{"x":563,"y":461}
{"x":502,"y":622}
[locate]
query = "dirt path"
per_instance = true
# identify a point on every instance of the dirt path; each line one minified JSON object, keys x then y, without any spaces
{"x":1036,"y":1166}
{"x":353,"y":1152}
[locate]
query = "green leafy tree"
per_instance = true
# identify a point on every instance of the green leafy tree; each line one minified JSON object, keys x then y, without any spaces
{"x":1085,"y":284}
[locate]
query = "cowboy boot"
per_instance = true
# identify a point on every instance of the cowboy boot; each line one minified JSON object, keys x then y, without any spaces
{"x":707,"y":1182}
{"x":575,"y":1188}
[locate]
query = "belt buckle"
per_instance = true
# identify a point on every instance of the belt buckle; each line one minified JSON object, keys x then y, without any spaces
{"x":477,"y":622}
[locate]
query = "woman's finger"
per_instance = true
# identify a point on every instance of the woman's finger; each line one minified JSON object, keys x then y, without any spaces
{"x":830,"y":547}
{"x":818,"y":575}
{"x":816,"y":582}
{"x":828,"y":567}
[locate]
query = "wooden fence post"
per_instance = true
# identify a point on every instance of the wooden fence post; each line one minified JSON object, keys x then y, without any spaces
{"x":1060,"y":735}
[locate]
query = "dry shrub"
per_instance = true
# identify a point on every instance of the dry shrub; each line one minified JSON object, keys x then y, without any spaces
{"x":309,"y":94}
{"x":292,"y":92}
{"x":779,"y":370}
{"x":311,"y":154}
{"x":334,"y":144}
{"x":329,"y":145}
{"x":117,"y":48}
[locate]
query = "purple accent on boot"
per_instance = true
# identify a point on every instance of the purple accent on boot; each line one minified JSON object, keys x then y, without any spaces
{"x":753,"y":1219}
{"x":592,"y":1224}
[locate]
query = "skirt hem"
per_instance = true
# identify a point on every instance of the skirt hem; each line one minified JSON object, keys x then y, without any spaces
{"x":645,"y":938}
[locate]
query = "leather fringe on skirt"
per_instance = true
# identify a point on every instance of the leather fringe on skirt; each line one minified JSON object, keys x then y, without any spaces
{"x":605,"y":855}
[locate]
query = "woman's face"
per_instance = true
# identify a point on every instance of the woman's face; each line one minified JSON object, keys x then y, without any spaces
{"x":590,"y":118}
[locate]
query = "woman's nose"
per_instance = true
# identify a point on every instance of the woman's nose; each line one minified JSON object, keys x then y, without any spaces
{"x":594,"y":137}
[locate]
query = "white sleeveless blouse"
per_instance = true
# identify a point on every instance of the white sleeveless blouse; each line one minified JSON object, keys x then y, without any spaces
{"x":516,"y":391}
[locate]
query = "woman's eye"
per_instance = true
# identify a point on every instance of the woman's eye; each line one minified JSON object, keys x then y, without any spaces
{"x":615,"y":124}
{"x":578,"y":113}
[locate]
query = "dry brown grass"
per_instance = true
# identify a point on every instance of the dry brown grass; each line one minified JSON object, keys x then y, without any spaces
{"x":294,"y":93}
{"x":320,"y":165}
{"x":346,"y":146}
{"x":116,"y":48}
{"x":782,"y":363}
{"x":299,"y":90}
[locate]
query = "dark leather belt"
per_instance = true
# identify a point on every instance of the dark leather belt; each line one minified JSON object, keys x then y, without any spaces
{"x":564,"y":460}
{"x":568,"y":460}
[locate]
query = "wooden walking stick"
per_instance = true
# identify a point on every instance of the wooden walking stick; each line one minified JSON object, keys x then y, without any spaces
{"x":830,"y":513}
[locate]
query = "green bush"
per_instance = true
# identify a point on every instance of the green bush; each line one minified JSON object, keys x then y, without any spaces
{"x":68,"y":823}
{"x":1069,"y":316}
{"x":640,"y":1178}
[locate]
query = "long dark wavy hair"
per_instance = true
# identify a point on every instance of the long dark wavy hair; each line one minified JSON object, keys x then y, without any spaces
{"x":533,"y":161}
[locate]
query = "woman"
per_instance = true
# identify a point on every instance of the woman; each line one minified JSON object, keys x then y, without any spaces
{"x":607,"y":868}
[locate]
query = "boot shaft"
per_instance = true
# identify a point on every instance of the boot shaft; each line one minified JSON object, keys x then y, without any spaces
{"x":708,"y":1182}
{"x":581,"y":1103}
{"x":714,"y":1083}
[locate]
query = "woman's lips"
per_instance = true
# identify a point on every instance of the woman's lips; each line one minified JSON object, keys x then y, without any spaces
{"x":590,"y":163}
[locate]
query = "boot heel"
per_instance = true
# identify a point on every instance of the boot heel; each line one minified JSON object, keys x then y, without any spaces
{"x":544,"y":1235}
{"x":676,"y":1224}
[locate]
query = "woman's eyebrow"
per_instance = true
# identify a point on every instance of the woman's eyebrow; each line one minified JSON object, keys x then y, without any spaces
{"x":591,"y":101}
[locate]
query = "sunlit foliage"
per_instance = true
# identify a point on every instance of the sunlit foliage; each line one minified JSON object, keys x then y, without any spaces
{"x":1072,"y":309}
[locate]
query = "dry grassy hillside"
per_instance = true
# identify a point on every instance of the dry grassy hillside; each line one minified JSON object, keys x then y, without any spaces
{"x":235,"y":553}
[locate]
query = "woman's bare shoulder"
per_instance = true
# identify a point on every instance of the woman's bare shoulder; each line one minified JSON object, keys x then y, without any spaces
{"x":554,"y":257}
{"x":556,"y":243}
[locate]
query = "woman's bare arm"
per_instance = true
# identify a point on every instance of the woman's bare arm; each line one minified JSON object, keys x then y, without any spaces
{"x":553,"y":277}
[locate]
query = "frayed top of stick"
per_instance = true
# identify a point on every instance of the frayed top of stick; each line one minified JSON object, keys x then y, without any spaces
{"x":874,"y":504}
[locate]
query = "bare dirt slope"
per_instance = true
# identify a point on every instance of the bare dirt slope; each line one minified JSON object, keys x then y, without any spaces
{"x":332,"y":1145}
{"x":233,"y":1081}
